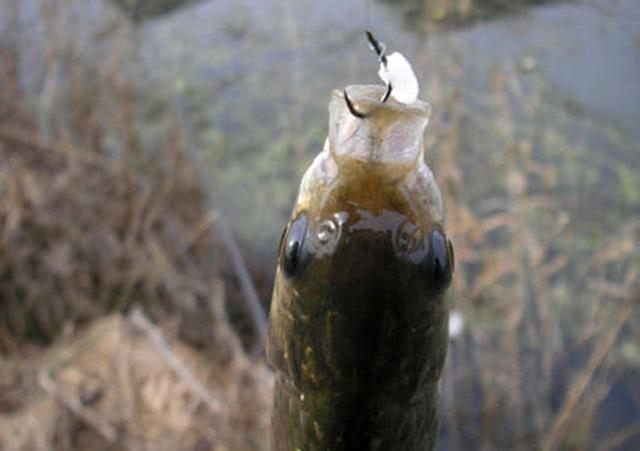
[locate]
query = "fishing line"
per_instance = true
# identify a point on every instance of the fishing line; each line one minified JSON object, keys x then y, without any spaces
{"x":367,"y":15}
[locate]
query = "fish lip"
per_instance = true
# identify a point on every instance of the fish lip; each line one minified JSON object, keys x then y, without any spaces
{"x":388,"y":133}
{"x":367,"y":99}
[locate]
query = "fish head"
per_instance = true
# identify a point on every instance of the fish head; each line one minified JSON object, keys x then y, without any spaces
{"x":368,"y":199}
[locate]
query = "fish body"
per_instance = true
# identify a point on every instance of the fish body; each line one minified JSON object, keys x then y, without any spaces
{"x":358,"y":321}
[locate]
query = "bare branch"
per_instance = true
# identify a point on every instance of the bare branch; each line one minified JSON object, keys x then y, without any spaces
{"x":141,"y":321}
{"x":87,"y":415}
{"x":258,"y":316}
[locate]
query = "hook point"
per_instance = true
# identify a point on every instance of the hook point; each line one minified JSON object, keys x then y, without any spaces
{"x":351,"y":107}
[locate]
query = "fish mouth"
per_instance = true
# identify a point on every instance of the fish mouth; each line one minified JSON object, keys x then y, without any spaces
{"x":385,"y":132}
{"x":368,"y":100}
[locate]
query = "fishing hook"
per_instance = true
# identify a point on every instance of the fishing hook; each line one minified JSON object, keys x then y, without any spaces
{"x":380,"y":50}
{"x":387,"y":94}
{"x":351,"y":107}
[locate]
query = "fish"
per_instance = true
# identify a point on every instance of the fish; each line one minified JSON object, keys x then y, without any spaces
{"x":358,"y":323}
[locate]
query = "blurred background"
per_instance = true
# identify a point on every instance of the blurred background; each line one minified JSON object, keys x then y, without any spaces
{"x":150,"y":153}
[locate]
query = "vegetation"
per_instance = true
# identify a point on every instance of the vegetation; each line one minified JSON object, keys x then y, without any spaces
{"x":100,"y":240}
{"x":108,"y":171}
{"x":433,"y":15}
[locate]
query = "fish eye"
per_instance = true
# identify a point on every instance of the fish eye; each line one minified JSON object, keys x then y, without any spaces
{"x":440,"y":260}
{"x":292,"y":246}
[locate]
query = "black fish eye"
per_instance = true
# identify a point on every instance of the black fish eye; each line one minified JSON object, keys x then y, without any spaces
{"x":293,"y":245}
{"x":440,"y":260}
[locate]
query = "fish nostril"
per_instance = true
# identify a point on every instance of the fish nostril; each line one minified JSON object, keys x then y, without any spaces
{"x":293,"y":246}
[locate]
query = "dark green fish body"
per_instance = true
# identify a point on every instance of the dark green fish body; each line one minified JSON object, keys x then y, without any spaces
{"x":358,"y":323}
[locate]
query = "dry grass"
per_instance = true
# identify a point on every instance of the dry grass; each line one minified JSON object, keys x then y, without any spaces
{"x":90,"y":234}
{"x":111,"y":387}
{"x":82,"y":235}
{"x":92,"y":225}
{"x":535,"y":303}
